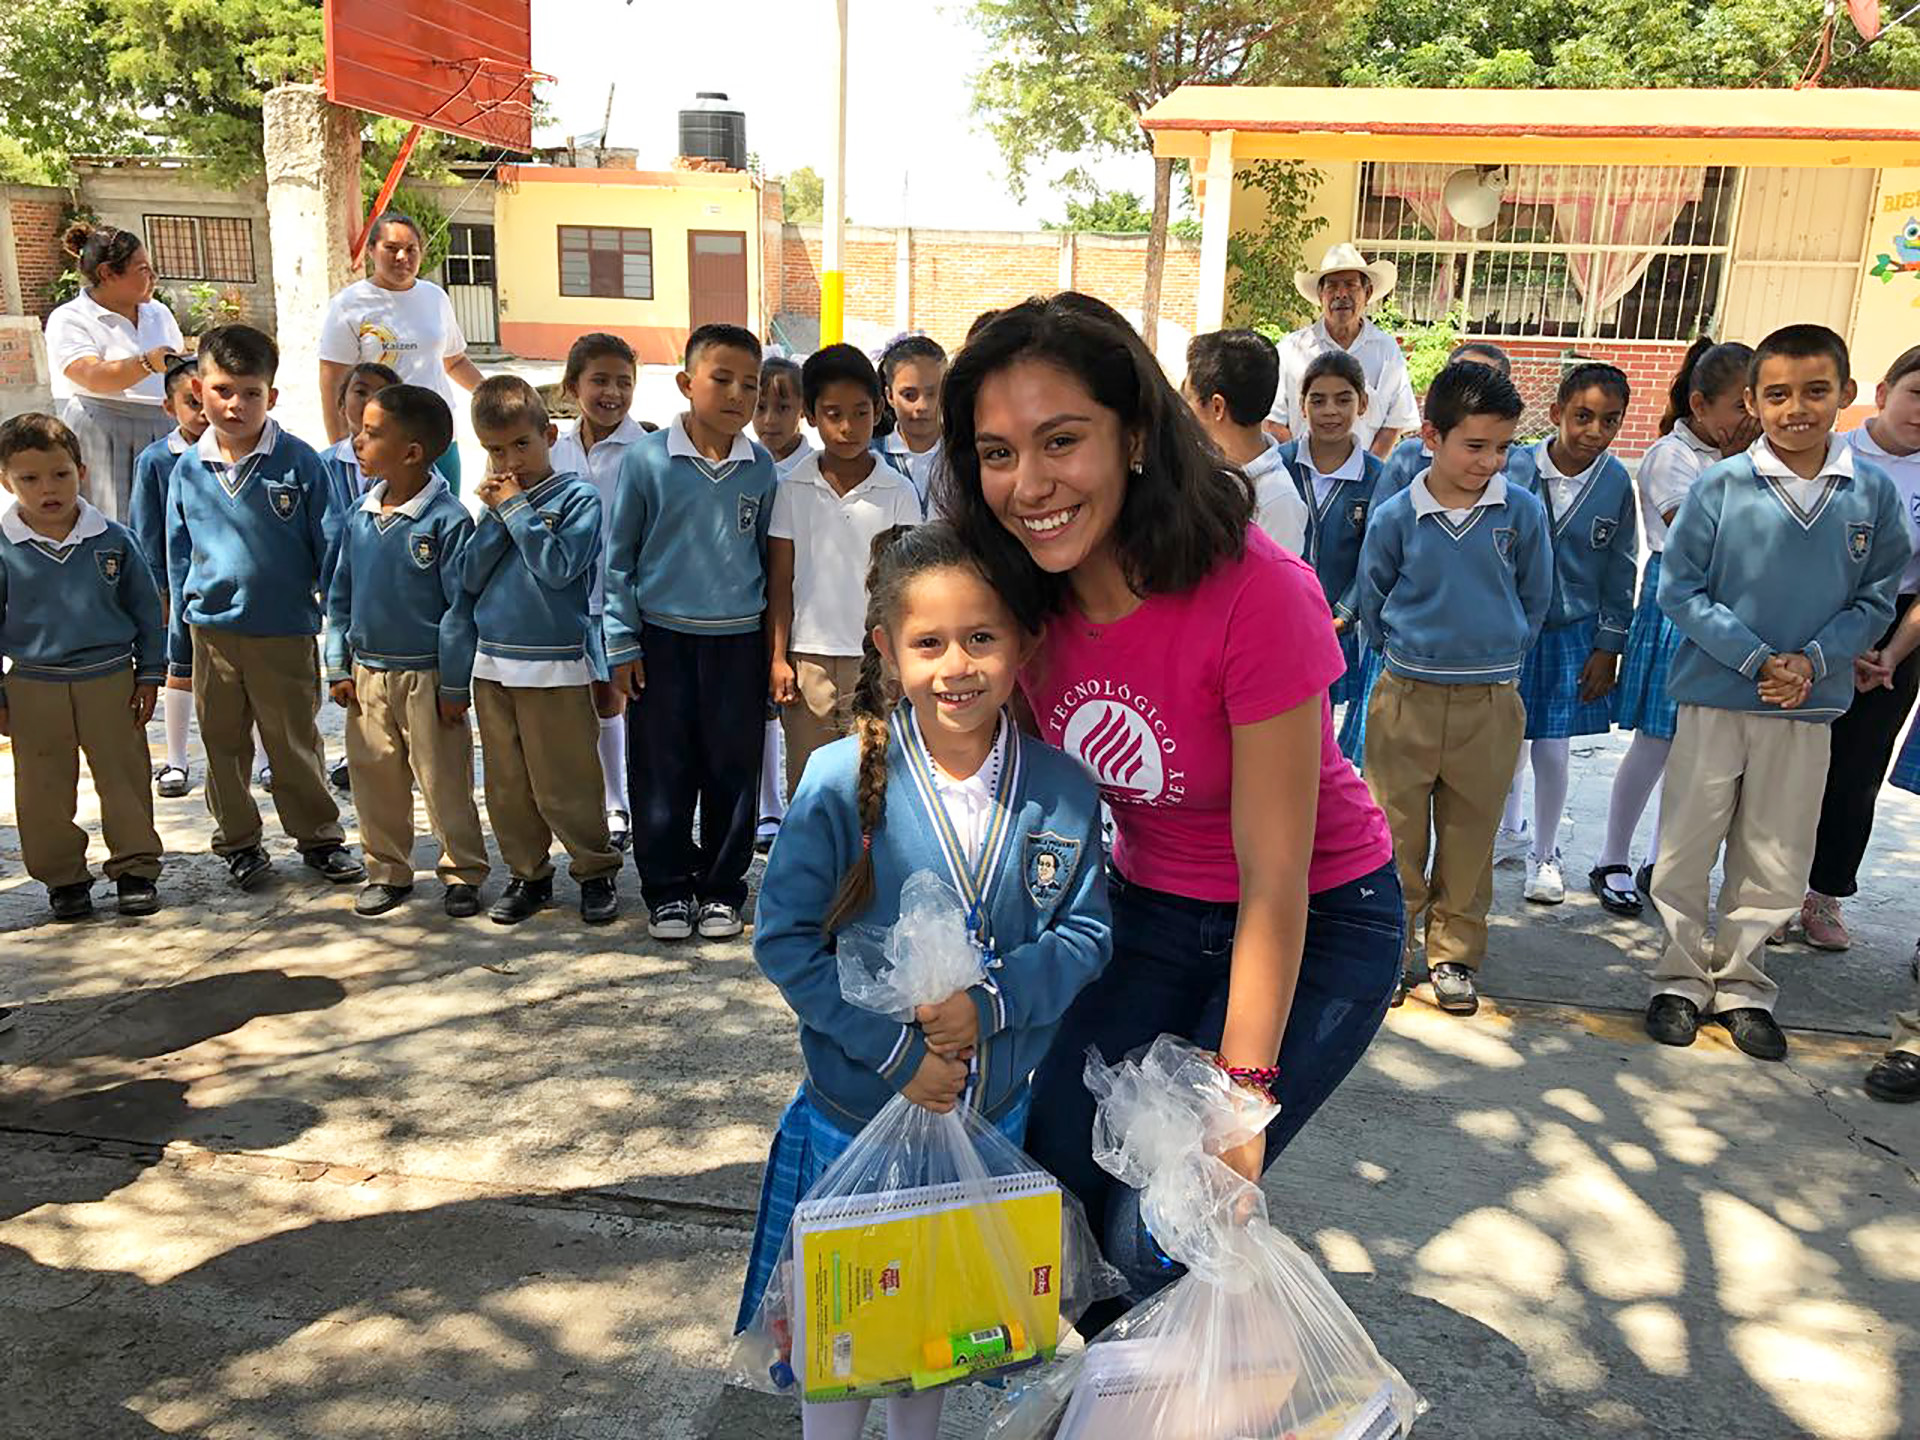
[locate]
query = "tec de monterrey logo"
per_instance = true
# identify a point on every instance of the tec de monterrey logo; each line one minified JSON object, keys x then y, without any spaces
{"x":1121,"y":739}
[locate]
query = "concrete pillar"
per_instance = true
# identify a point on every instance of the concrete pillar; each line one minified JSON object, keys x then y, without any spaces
{"x":1216,"y":224}
{"x":313,"y":214}
{"x":12,"y":302}
{"x":903,"y":278}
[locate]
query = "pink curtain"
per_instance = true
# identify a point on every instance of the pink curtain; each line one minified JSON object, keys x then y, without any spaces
{"x":1637,"y":206}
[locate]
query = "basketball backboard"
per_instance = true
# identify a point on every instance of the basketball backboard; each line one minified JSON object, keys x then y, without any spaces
{"x":462,"y":66}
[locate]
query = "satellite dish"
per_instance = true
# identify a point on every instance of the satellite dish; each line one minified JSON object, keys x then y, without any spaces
{"x":1473,"y":196}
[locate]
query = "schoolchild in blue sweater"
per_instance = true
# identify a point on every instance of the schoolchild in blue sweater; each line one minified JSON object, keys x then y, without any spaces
{"x":81,"y":634}
{"x":1780,"y":570}
{"x":942,"y":781}
{"x":400,"y":644}
{"x":250,"y":528}
{"x":685,"y":605}
{"x":1407,"y":460}
{"x":147,"y":518}
{"x":529,"y":570}
{"x":1455,"y":578}
{"x":1572,"y":668}
{"x":1336,"y":476}
{"x":344,"y":470}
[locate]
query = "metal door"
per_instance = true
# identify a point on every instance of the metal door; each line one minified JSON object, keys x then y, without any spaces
{"x":716,"y":278}
{"x":469,"y":278}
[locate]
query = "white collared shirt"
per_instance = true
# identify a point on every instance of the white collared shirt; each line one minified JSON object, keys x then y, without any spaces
{"x":832,"y":536}
{"x":1351,"y":468}
{"x":343,"y":451}
{"x":87,"y":524}
{"x":1565,"y":491}
{"x":1804,"y":493}
{"x":1666,"y":473}
{"x":177,"y":441}
{"x":783,"y":468}
{"x":83,"y":329}
{"x":680,"y":446}
{"x":601,"y":467}
{"x":1277,"y":506}
{"x":1424,"y":504}
{"x":916,"y":465}
{"x":208,"y":446}
{"x":373,"y":502}
{"x":969,"y":802}
{"x":1390,"y":402}
{"x":1904,"y":471}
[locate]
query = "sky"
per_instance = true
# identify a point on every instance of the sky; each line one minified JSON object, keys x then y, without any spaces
{"x":915,"y":154}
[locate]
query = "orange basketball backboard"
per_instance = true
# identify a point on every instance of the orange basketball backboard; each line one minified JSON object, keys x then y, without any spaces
{"x":463,"y":66}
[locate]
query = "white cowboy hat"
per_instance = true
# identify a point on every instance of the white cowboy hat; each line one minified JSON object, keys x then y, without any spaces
{"x":1345,"y":256}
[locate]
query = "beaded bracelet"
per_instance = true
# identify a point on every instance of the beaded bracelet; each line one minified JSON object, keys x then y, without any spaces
{"x":1260,"y":1078}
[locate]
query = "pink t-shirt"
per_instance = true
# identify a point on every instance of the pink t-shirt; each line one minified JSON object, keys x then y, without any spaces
{"x":1148,"y":703}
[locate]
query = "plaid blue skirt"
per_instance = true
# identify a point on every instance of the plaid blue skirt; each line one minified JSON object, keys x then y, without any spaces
{"x":804,"y":1148}
{"x":1362,"y":675}
{"x":1640,"y":701}
{"x":1550,"y":684}
{"x":1906,"y":770}
{"x":1342,"y":690}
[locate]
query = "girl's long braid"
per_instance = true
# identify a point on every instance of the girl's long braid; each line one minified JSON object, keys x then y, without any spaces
{"x":870,"y":706}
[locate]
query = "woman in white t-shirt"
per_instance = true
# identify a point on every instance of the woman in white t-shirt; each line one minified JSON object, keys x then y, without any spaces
{"x":395,"y":318}
{"x":109,"y":348}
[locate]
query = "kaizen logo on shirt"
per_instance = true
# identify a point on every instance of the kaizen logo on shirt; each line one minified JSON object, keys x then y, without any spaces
{"x":1122,"y":741}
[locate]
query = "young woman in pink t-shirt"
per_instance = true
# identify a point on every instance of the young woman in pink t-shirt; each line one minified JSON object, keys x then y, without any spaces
{"x":1185,"y":661}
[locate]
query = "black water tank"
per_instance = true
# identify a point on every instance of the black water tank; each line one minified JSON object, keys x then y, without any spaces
{"x":711,"y":129}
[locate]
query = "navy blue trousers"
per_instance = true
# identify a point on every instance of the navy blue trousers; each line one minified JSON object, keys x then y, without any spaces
{"x":693,"y":743}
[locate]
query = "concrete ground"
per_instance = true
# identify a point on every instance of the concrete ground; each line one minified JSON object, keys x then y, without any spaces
{"x":273,"y":1171}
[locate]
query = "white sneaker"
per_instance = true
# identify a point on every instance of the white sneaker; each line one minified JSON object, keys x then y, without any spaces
{"x":719,"y":921}
{"x":1512,"y":847}
{"x":1545,"y":884}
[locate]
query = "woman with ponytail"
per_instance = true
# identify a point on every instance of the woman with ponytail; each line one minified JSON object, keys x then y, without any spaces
{"x":110,"y":347}
{"x":935,"y":777}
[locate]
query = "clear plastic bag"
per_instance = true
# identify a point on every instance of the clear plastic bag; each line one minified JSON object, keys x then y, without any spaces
{"x":934,"y":1250}
{"x":1252,"y":1343}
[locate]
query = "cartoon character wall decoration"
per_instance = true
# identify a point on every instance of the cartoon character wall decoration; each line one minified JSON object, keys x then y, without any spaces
{"x":1905,"y":259}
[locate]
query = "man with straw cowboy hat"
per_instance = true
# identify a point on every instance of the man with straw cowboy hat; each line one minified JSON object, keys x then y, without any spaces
{"x":1343,"y":286}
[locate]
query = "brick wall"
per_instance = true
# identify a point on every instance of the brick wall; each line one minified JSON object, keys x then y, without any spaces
{"x":36,"y":249}
{"x":1116,"y":271}
{"x":956,"y":277}
{"x":1538,"y":365}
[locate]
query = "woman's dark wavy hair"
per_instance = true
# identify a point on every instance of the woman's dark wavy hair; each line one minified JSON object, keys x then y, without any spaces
{"x":1185,"y":510}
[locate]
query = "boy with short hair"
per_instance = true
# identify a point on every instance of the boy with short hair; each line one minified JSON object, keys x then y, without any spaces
{"x":529,"y":568}
{"x":1780,"y":570}
{"x":1455,"y":579}
{"x":249,"y":530}
{"x":826,"y":514}
{"x":400,"y":644}
{"x":1232,"y":377}
{"x":147,"y":518}
{"x":686,"y":599}
{"x":82,"y":636}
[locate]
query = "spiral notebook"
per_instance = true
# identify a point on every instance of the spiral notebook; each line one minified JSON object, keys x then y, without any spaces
{"x":878,"y":1277}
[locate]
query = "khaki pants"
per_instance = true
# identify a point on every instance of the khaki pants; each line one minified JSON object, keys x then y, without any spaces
{"x":52,"y":723}
{"x":540,"y":758}
{"x":1442,"y":757}
{"x":1906,"y":1028}
{"x":1768,"y":828}
{"x":823,"y":715}
{"x":272,"y":682}
{"x":395,"y":740}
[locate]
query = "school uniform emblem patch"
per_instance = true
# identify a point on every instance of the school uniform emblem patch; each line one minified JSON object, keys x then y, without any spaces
{"x":284,"y":499}
{"x":1603,"y":528}
{"x":1357,"y":514}
{"x":110,"y":562}
{"x":550,"y":520}
{"x":1859,"y":539}
{"x":1047,"y":866}
{"x":749,"y":513}
{"x":1503,"y":543}
{"x":425,"y":549}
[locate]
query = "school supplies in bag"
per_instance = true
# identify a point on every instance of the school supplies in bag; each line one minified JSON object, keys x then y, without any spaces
{"x":1252,"y":1343}
{"x":934,"y":1250}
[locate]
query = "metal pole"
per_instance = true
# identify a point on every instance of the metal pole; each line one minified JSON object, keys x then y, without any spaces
{"x":833,"y":277}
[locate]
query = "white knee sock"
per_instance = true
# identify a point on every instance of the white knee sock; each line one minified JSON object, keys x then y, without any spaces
{"x":259,"y":752}
{"x":1633,"y":785}
{"x":909,"y":1417}
{"x":1513,"y":817}
{"x":915,"y":1417}
{"x":613,"y":761}
{"x":773,"y":765}
{"x":1550,"y":763}
{"x":833,"y":1419}
{"x":177,"y":707}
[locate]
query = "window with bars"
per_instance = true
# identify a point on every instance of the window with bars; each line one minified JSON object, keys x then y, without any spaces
{"x":1613,"y":252}
{"x":605,"y":262}
{"x":201,"y":247}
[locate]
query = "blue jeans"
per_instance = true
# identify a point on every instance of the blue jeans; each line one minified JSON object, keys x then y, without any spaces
{"x":1171,"y":961}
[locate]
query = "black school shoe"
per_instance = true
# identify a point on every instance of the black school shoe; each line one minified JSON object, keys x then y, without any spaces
{"x":520,"y":900}
{"x":342,"y":781}
{"x":378,"y":899}
{"x":71,"y":902}
{"x":463,"y":901}
{"x":335,"y":863}
{"x":249,"y":868}
{"x":599,"y":900}
{"x":1756,"y":1032}
{"x":137,"y":896}
{"x":1673,"y":1019}
{"x":1895,"y":1078}
{"x":1612,"y":899}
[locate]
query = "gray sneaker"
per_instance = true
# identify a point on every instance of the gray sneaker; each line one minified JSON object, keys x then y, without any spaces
{"x":1453,"y":989}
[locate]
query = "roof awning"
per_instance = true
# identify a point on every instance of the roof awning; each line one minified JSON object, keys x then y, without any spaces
{"x":1826,"y":128}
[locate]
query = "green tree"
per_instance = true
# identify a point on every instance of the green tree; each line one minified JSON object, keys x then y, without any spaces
{"x":1110,"y":212}
{"x":1263,"y":262}
{"x":1074,"y":76}
{"x":802,"y":197}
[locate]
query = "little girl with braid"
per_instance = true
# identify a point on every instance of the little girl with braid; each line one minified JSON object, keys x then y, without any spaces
{"x":936,"y":777}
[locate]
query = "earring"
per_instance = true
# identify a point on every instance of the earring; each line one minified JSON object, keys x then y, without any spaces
{"x":1136,"y":470}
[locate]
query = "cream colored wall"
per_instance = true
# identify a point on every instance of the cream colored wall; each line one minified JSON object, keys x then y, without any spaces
{"x":1796,"y":250}
{"x":1333,"y":201}
{"x":1886,"y":312}
{"x":528,"y":215}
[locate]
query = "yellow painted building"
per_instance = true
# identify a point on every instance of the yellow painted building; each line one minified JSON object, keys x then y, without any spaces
{"x":646,"y":255}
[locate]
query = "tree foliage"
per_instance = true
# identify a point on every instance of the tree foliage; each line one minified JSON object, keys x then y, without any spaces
{"x":802,"y":196}
{"x":1109,"y":212}
{"x":1580,"y":44}
{"x":1263,"y":261}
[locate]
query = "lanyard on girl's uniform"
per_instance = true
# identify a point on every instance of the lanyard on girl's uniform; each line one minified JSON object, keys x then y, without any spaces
{"x":972,"y":878}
